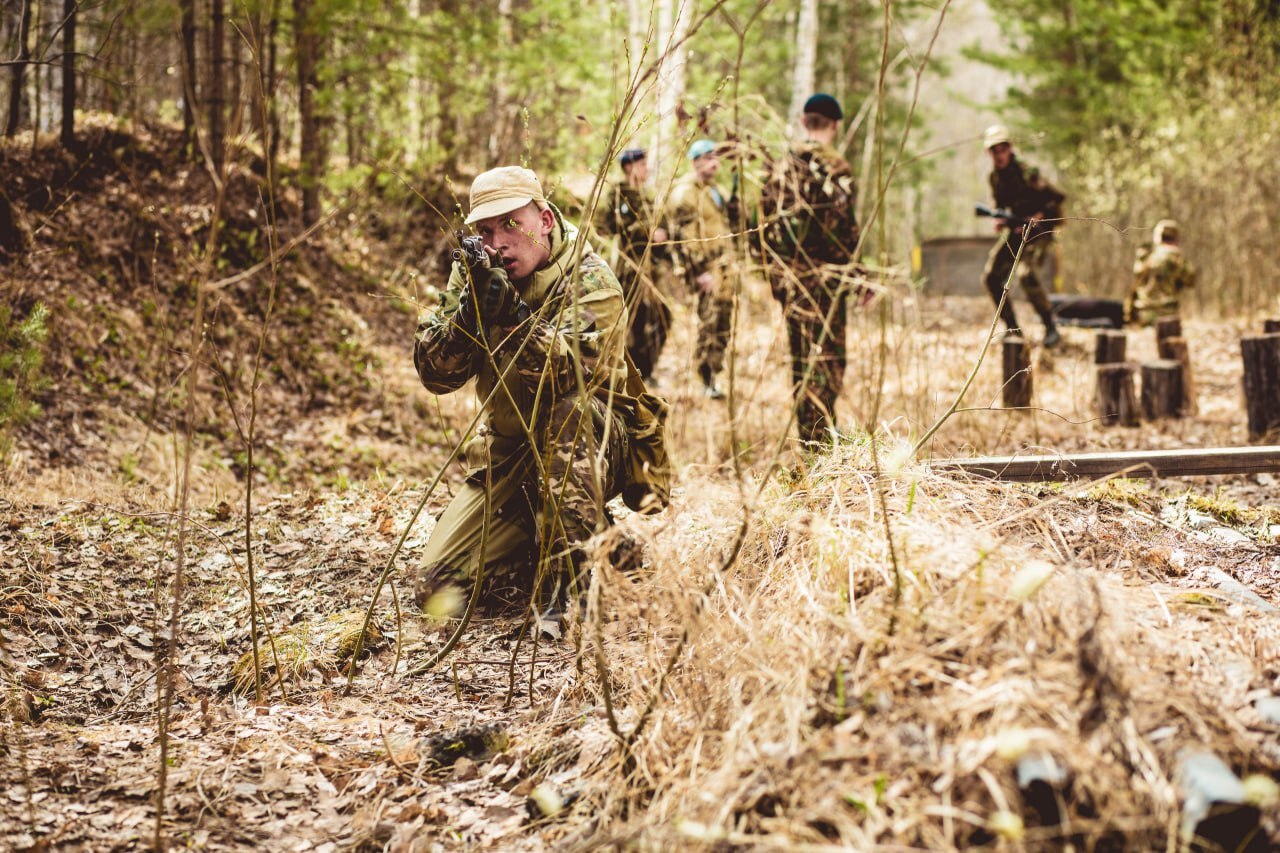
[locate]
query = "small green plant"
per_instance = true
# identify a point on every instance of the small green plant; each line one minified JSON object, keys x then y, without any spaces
{"x":22,"y":347}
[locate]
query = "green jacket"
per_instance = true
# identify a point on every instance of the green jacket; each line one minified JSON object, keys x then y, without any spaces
{"x":572,"y":345}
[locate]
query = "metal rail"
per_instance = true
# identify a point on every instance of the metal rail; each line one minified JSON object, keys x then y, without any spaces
{"x":1134,"y":463}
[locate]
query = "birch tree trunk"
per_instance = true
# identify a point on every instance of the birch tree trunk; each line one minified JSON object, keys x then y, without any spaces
{"x":673,"y":25}
{"x":806,"y":58}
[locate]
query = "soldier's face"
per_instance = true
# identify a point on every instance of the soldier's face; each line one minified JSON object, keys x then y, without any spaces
{"x":706,"y":167}
{"x":638,"y":171}
{"x":1000,"y":154}
{"x":521,"y":238}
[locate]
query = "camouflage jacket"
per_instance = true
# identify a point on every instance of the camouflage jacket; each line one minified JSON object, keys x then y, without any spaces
{"x":1159,"y":277}
{"x":576,"y":332}
{"x":808,"y":208}
{"x":629,"y":214}
{"x":700,"y":226}
{"x":1025,"y":191}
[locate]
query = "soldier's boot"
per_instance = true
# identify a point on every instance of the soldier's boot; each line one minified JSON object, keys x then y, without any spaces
{"x":1052,"y":337}
{"x":439,"y":587}
{"x":709,"y":387}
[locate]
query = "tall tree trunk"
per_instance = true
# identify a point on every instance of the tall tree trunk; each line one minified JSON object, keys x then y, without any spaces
{"x":189,"y":76}
{"x":673,"y":25}
{"x":806,"y":58}
{"x":311,"y":142}
{"x":16,"y":71}
{"x":69,"y":15}
{"x":446,"y":89}
{"x":217,"y":86}
{"x":273,"y":115}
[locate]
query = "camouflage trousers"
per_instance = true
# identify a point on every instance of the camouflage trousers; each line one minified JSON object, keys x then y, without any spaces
{"x":650,"y":317}
{"x":534,"y":519}
{"x":715,"y":317}
{"x":816,"y":313}
{"x":1000,"y":264}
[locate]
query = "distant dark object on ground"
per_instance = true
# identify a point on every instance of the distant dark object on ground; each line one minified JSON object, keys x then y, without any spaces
{"x":1087,"y":311}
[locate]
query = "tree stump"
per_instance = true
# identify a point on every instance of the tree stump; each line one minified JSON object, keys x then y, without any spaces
{"x":1261,"y":354}
{"x":1175,"y":349}
{"x":1116,"y":401}
{"x":1017,"y":373}
{"x":1168,"y":327}
{"x":1271,"y":326}
{"x":1109,"y":347}
{"x":1161,"y":389}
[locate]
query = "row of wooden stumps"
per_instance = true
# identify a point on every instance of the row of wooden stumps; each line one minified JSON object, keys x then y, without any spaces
{"x":1168,"y":385}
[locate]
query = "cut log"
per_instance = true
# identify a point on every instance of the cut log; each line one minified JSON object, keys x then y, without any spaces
{"x":1261,"y":354}
{"x":1161,"y":389}
{"x":1059,"y":467}
{"x":1116,"y":401}
{"x":1109,"y":347}
{"x":1175,"y":349}
{"x":1017,"y":373}
{"x":1168,"y":327}
{"x":1271,"y":326}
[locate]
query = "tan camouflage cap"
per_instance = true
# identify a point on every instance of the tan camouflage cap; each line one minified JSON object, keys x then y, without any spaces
{"x":1166,"y":229}
{"x":995,"y":135}
{"x":502,"y":190}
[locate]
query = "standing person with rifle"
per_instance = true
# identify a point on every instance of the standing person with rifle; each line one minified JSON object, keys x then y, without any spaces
{"x":1025,"y":200}
{"x":705,"y":243}
{"x":628,"y":212}
{"x":538,"y":319}
{"x":807,"y":209}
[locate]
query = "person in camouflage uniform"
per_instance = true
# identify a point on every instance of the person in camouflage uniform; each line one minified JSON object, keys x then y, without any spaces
{"x":701,"y":228}
{"x":1023,"y":191}
{"x":628,"y":212}
{"x":810,"y":233}
{"x":1160,"y":274}
{"x":539,"y":321}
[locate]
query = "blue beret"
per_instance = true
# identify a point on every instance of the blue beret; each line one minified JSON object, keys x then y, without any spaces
{"x":701,"y":148}
{"x":824,"y":105}
{"x":629,"y":156}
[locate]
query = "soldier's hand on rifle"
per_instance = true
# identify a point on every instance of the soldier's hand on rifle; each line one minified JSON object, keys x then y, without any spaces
{"x":706,"y":282}
{"x":498,"y":300}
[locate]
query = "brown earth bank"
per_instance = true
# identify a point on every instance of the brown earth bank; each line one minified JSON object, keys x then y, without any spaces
{"x":848,"y":650}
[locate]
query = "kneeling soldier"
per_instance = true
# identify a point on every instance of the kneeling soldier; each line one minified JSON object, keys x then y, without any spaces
{"x":539,"y":320}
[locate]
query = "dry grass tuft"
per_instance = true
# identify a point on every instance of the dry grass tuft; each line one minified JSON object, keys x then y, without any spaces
{"x":303,"y":649}
{"x":859,"y":683}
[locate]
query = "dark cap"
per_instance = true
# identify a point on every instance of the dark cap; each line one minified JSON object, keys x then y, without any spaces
{"x":629,"y":156}
{"x":824,"y":105}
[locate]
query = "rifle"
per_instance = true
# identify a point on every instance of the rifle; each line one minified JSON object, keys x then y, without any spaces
{"x":1011,"y":220}
{"x":497,"y":299}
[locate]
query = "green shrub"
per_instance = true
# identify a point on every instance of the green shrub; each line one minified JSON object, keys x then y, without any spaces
{"x":22,"y":343}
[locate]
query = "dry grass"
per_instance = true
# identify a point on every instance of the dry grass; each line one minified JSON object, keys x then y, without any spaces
{"x":817,"y":705}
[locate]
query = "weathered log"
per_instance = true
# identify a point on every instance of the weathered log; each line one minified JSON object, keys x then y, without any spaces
{"x":1115,"y":398}
{"x":1271,"y":326}
{"x":1201,"y":462}
{"x":1175,"y":349}
{"x":1161,"y":389}
{"x":1109,"y":347}
{"x":1168,"y":327}
{"x":1261,"y":355}
{"x":1017,"y":373}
